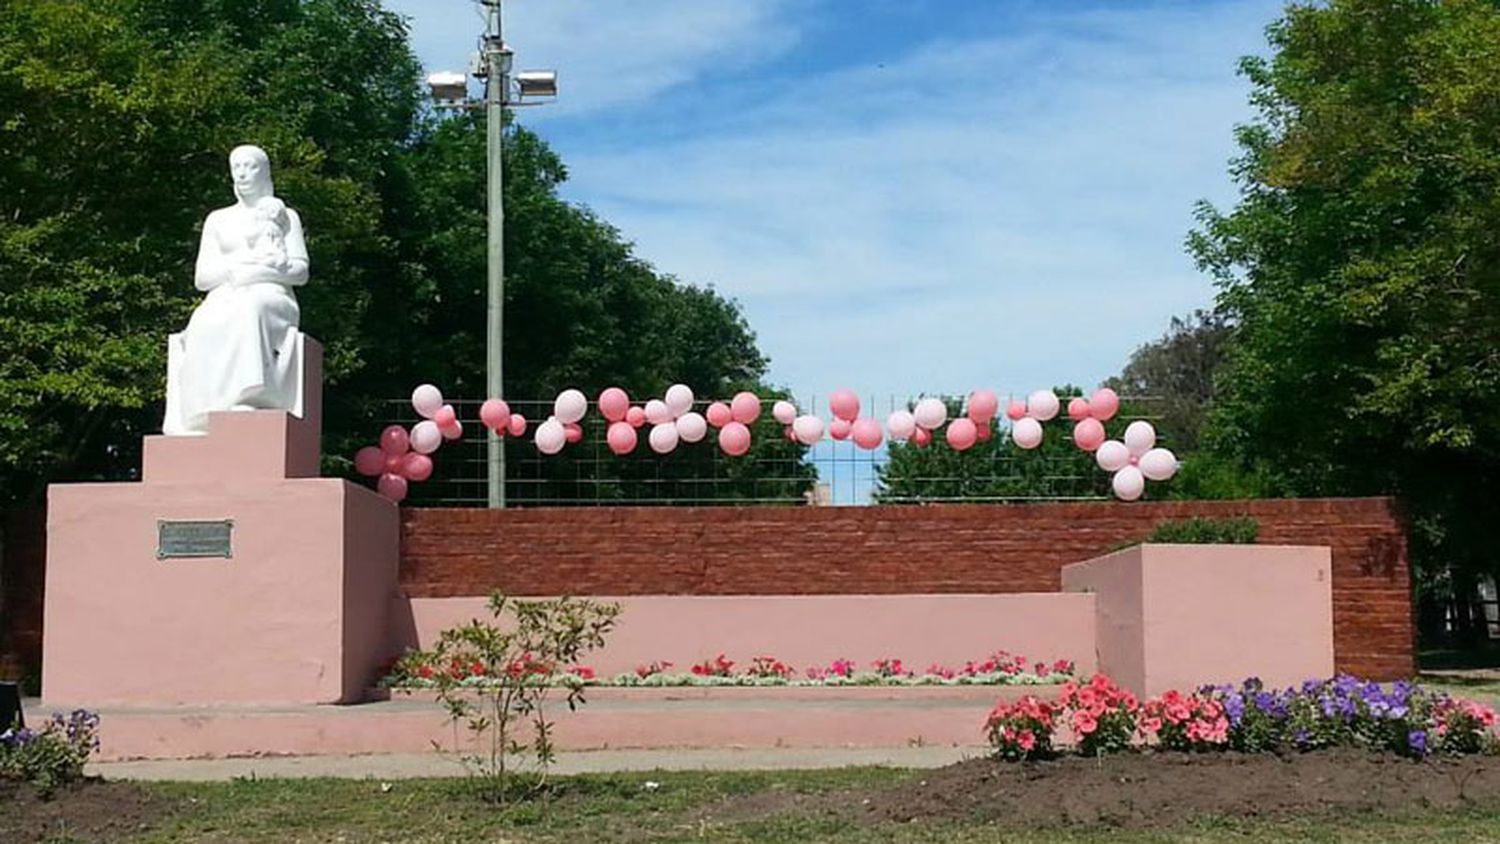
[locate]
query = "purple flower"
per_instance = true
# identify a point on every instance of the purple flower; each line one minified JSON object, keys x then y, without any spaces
{"x":1417,"y":740}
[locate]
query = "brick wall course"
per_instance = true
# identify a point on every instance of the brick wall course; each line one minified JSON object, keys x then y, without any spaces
{"x":891,"y":550}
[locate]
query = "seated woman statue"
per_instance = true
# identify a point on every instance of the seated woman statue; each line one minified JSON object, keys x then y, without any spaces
{"x":241,"y":348}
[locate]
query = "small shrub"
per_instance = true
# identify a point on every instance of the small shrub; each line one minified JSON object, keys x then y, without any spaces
{"x":1022,"y":730}
{"x":1460,"y":726}
{"x":52,"y":756}
{"x":1206,"y":531}
{"x":496,"y":678}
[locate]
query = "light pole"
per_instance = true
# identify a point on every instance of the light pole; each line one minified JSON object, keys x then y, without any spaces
{"x":450,"y":90}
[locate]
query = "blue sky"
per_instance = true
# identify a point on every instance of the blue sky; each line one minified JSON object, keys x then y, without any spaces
{"x":905,"y":197}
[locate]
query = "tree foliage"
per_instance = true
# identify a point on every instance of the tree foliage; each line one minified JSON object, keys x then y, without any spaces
{"x":115,"y":119}
{"x":1361,"y":266}
{"x":1176,"y":373}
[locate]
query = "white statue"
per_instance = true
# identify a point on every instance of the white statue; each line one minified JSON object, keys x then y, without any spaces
{"x":241,"y":349}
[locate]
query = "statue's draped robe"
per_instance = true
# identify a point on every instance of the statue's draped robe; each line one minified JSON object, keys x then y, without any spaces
{"x":241,"y":347}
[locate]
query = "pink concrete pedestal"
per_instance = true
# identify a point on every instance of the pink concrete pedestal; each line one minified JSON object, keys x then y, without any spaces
{"x":296,"y":614}
{"x":1181,"y":616}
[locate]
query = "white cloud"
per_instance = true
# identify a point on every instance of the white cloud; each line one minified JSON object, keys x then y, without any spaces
{"x":978,"y":211}
{"x":607,"y":52}
{"x":1004,"y":212}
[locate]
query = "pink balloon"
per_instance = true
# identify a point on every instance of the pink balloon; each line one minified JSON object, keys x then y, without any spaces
{"x":392,"y":486}
{"x":1016,"y":410}
{"x":789,"y":433}
{"x":983,"y":406}
{"x":983,"y":432}
{"x":840,"y":429}
{"x":621,"y":437}
{"x":426,"y":400}
{"x":517,"y":425}
{"x":844,"y":404}
{"x":962,"y":434}
{"x":719,"y":415}
{"x":784,"y":412}
{"x":866,"y":433}
{"x":1105,"y":403}
{"x":416,"y":467}
{"x":614,"y":403}
{"x":734,"y":438}
{"x":745,"y":408}
{"x":445,"y":416}
{"x":369,"y":461}
{"x":573,"y":432}
{"x":1078,"y":409}
{"x":494,"y":413}
{"x":452,"y":432}
{"x":921,"y":437}
{"x":809,"y":429}
{"x":1089,"y":434}
{"x":636,"y":417}
{"x":426,"y":436}
{"x":395,"y":440}
{"x":393,"y":464}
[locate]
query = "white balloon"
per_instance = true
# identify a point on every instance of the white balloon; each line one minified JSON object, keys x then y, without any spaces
{"x":784,"y":412}
{"x":679,"y":399}
{"x":425,"y":400}
{"x":1158,"y":464}
{"x":1129,"y":483}
{"x":1042,"y":405}
{"x":663,"y":437}
{"x":1112,"y":456}
{"x":901,"y":424}
{"x":809,"y":429}
{"x":425,"y":437}
{"x":1026,"y":432}
{"x":657,"y":412}
{"x":692,"y":427}
{"x":551,"y":436}
{"x":1140,"y":437}
{"x":570,"y":406}
{"x":930,"y":413}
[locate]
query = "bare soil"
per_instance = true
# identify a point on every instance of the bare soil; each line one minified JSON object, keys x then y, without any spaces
{"x":88,"y":810}
{"x":1147,"y":790}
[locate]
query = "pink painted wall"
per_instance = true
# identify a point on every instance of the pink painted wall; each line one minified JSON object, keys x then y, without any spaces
{"x":1210,"y":614}
{"x":805,"y":630}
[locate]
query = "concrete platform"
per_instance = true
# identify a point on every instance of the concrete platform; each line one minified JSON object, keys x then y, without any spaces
{"x":613,"y":718}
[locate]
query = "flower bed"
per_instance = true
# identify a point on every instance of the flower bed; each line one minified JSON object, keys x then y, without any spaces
{"x":52,"y":756}
{"x":998,"y":669}
{"x":1402,"y":718}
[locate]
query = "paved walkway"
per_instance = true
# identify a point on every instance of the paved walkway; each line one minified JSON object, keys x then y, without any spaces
{"x":406,"y":765}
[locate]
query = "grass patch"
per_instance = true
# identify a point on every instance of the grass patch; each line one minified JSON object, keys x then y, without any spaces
{"x":692,"y":806}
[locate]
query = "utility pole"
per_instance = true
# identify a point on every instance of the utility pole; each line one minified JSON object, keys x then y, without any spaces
{"x":493,"y":67}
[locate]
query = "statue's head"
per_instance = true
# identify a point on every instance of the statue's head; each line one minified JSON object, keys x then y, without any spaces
{"x":250,"y":169}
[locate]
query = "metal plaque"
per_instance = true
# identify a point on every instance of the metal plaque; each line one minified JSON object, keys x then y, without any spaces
{"x":194,"y":539}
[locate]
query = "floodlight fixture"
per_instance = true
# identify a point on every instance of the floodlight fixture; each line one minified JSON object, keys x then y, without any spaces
{"x":535,"y":84}
{"x":448,"y":88}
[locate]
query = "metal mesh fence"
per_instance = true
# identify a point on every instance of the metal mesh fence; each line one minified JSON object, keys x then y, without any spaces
{"x":776,"y":471}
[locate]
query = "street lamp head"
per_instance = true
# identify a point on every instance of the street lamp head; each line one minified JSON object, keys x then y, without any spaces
{"x":536,"y":83}
{"x":448,"y":88}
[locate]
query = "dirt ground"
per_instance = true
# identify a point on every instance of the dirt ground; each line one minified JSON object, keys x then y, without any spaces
{"x":91,"y":810}
{"x":1133,"y":791}
{"x":1151,"y":791}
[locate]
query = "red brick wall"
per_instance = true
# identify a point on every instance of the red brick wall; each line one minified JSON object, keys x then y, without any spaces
{"x":883,"y":550}
{"x":23,"y":552}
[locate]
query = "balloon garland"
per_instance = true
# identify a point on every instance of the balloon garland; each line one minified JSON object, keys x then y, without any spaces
{"x":403,"y":457}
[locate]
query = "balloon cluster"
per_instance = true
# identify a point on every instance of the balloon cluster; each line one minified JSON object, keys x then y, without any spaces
{"x":671,"y":418}
{"x":405,"y":456}
{"x":847,"y":424}
{"x":495,"y":415}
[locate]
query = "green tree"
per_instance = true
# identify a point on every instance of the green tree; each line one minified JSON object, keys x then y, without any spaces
{"x":1361,"y":268}
{"x":1176,"y":373}
{"x":117,"y":115}
{"x":115,"y":119}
